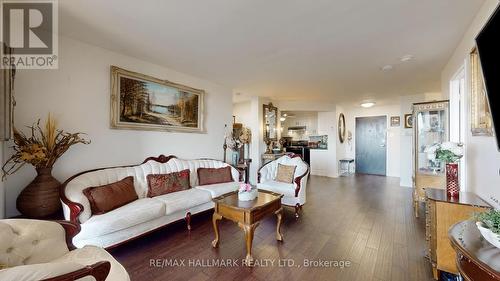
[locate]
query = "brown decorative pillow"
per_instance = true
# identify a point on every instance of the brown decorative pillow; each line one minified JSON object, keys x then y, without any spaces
{"x":167,"y":183}
{"x":285,"y":173}
{"x":208,"y":176}
{"x":108,"y":197}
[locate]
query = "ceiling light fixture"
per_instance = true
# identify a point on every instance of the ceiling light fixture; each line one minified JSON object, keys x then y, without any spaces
{"x":406,"y":58}
{"x":367,"y":104}
{"x":387,"y":67}
{"x":282,"y":119}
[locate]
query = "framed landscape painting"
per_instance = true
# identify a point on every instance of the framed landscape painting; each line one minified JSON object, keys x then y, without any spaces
{"x":142,"y":102}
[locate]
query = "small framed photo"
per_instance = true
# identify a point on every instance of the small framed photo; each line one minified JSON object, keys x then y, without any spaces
{"x":395,"y":121}
{"x":409,"y":120}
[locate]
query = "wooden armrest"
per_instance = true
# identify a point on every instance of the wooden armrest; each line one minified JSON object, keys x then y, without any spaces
{"x":298,"y":180}
{"x":72,"y":229}
{"x":98,"y":270}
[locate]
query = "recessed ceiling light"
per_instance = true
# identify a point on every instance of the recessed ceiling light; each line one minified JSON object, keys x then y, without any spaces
{"x":406,"y":58}
{"x":367,"y":104}
{"x":387,"y":67}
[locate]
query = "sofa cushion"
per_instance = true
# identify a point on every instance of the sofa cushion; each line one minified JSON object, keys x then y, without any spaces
{"x":39,"y":271}
{"x":214,"y":175}
{"x":159,"y":184}
{"x":287,"y":189}
{"x":220,"y":188}
{"x":91,"y":254}
{"x":108,"y":197}
{"x":285,"y":173}
{"x":136,"y":212}
{"x":183,"y":200}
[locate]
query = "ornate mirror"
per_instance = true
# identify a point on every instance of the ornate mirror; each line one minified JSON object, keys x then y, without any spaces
{"x":341,"y":126}
{"x":270,"y":122}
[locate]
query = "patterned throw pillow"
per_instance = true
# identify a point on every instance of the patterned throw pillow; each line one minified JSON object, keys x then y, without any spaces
{"x":167,"y":183}
{"x":108,"y":197}
{"x":285,"y":173}
{"x":214,"y":175}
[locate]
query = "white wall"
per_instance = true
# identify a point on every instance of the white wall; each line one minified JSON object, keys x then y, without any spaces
{"x":324,"y":162}
{"x":483,"y":158}
{"x":242,"y":112}
{"x":78,"y":94}
{"x":304,"y":105}
{"x":250,"y":113}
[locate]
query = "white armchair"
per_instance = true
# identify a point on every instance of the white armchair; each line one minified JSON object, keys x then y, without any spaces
{"x":42,"y":250}
{"x":294,"y":194}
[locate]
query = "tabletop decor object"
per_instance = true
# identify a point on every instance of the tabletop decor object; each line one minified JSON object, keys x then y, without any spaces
{"x":449,"y":153}
{"x":41,"y":149}
{"x":247,"y":193}
{"x":235,"y":141}
{"x":488,"y":224}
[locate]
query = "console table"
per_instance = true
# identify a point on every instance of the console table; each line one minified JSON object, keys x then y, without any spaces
{"x":442,"y":212}
{"x":477,"y":259}
{"x":268,"y":157}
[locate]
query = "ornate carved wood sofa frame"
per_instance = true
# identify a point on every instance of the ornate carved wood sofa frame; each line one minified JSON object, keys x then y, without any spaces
{"x":77,"y":211}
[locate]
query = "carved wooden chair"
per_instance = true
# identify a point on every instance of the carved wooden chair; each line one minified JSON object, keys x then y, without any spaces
{"x":294,"y":194}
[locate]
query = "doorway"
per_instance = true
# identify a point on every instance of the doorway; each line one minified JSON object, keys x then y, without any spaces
{"x":371,"y":145}
{"x":458,"y":128}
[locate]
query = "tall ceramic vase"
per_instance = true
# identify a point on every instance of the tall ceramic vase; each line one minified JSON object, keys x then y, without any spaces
{"x":452,"y":185}
{"x":41,"y":197}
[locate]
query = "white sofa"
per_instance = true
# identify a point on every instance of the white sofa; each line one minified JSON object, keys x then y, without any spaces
{"x":294,"y":194}
{"x":145,"y":214}
{"x":36,"y":250}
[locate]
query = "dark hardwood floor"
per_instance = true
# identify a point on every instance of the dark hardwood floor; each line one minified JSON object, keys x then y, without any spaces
{"x":366,"y":220}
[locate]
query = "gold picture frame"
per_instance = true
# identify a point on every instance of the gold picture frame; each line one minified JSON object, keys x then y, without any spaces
{"x":408,"y":121}
{"x":142,"y":102}
{"x":270,"y":122}
{"x":481,"y":122}
{"x":7,"y":101}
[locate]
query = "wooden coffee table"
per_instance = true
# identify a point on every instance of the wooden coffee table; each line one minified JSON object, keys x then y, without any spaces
{"x":247,"y":214}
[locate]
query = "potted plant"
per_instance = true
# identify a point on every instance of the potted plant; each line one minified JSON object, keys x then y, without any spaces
{"x":449,"y":153}
{"x":488,"y":224}
{"x":41,"y":148}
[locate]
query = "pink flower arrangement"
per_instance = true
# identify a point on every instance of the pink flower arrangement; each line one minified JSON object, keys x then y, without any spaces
{"x":245,"y":187}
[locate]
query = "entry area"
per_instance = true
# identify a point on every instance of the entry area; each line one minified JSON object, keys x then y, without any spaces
{"x":371,"y":145}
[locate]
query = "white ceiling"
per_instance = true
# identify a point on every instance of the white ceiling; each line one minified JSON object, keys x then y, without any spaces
{"x":328,"y":50}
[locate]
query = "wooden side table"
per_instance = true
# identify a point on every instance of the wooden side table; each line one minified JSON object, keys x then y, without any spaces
{"x":443,"y":212}
{"x":477,"y":259}
{"x":247,"y":214}
{"x":268,"y":157}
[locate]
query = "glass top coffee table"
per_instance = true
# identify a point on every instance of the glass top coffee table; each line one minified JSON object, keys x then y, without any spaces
{"x":247,"y":214}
